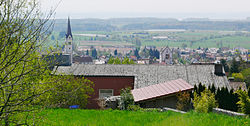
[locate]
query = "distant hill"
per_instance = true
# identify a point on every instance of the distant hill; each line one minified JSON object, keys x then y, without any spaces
{"x":115,"y":24}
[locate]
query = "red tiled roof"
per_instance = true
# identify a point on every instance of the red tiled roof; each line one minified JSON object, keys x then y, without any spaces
{"x":158,"y":90}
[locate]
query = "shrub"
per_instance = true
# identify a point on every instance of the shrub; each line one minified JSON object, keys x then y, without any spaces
{"x":204,"y":103}
{"x":126,"y":98}
{"x":183,"y":102}
{"x":244,"y":102}
{"x":238,"y":77}
{"x":134,"y":108}
{"x":226,"y":99}
{"x":74,"y":91}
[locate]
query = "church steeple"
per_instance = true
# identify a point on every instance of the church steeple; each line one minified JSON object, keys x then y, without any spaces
{"x":68,"y":44}
{"x":69,"y":34}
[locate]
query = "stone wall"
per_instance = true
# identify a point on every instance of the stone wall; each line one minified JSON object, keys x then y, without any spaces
{"x":227,"y":112}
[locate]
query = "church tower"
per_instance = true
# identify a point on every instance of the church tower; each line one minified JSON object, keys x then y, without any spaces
{"x":68,"y":49}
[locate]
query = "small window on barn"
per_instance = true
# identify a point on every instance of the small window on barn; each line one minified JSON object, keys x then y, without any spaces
{"x":105,"y":93}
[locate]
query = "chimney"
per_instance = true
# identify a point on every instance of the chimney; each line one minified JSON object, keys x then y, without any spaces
{"x":218,"y":70}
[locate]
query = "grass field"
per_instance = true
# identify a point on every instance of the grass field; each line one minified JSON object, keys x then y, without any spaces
{"x":67,"y":117}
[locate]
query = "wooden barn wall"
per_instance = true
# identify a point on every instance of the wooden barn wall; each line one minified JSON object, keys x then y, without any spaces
{"x":108,"y":82}
{"x":169,"y":102}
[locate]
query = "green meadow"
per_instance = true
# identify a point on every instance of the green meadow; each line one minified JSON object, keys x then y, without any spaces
{"x":78,"y":117}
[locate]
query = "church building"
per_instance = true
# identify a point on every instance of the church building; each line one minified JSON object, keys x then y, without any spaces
{"x":68,"y":48}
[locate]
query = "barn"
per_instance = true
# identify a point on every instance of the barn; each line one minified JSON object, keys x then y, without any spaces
{"x":110,"y":79}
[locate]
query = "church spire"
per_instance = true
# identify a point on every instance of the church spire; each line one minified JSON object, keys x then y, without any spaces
{"x":69,"y":30}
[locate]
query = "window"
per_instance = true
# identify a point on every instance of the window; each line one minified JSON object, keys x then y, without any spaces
{"x":167,"y":56}
{"x":105,"y":93}
{"x":69,"y":43}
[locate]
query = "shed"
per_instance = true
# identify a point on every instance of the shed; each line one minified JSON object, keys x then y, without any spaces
{"x":238,"y":85}
{"x":160,"y":95}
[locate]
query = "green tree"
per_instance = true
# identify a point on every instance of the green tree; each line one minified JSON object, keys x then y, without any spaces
{"x":136,"y":53}
{"x":117,"y":61}
{"x":200,"y":89}
{"x":87,"y":52}
{"x":52,"y":37}
{"x":238,"y":77}
{"x":126,"y":61}
{"x":115,"y":52}
{"x":127,"y":98}
{"x":224,"y":63}
{"x":24,"y":75}
{"x":246,"y":76}
{"x":144,"y":53}
{"x":184,"y":100}
{"x":234,"y":67}
{"x":213,"y":89}
{"x":244,"y":102}
{"x":111,"y":60}
{"x":22,"y":69}
{"x":204,"y":103}
{"x":94,"y":53}
{"x":131,"y":61}
{"x":74,"y":91}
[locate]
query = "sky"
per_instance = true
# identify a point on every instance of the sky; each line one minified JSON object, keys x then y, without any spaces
{"x":228,"y":9}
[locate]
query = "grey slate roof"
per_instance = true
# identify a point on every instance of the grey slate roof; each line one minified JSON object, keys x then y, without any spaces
{"x":146,"y":75}
{"x":69,"y":33}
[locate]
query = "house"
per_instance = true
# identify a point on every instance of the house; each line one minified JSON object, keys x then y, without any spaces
{"x":238,"y":85}
{"x":58,"y":59}
{"x":143,"y":61}
{"x":235,"y":85}
{"x":82,"y":60}
{"x":166,"y":56}
{"x":134,"y":58}
{"x":110,"y":79}
{"x":100,"y":61}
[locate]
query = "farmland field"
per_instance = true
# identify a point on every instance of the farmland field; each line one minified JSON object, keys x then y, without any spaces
{"x":79,"y":117}
{"x":160,"y":38}
{"x":102,"y":43}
